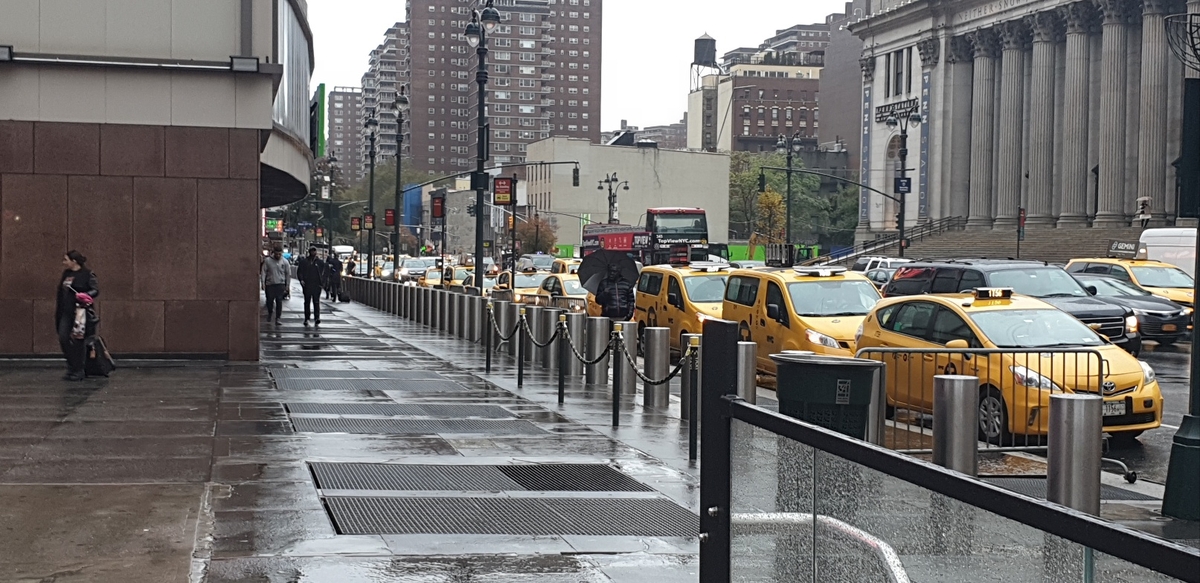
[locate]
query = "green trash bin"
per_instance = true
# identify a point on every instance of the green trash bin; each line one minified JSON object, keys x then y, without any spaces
{"x":838,"y":393}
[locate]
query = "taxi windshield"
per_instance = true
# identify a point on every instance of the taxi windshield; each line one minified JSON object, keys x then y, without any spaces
{"x":1034,"y":329}
{"x":1039,"y":282}
{"x":572,"y":287}
{"x":541,"y":261}
{"x":845,"y":297}
{"x":1162,"y":277}
{"x":461,"y":273}
{"x":524,"y":281}
{"x":705,"y":288}
{"x":433,"y":276}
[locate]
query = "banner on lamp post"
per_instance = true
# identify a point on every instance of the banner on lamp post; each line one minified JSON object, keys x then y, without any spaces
{"x":369,"y":222}
{"x":355,"y":224}
{"x":389,"y":217}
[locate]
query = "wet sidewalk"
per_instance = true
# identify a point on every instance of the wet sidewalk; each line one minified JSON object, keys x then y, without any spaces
{"x":366,"y":450}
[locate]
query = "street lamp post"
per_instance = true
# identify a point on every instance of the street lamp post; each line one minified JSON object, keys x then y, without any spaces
{"x":401,"y":106}
{"x":332,"y":163}
{"x":482,"y":22}
{"x":902,"y":186}
{"x":371,"y":125}
{"x":613,"y":183}
{"x":789,"y":145}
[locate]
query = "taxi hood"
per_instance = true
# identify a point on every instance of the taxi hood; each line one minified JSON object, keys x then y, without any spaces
{"x":839,"y":327}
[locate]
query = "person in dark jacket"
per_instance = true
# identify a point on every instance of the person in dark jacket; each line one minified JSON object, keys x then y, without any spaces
{"x":311,"y":272}
{"x":616,"y":296}
{"x":76,"y":288}
{"x":333,"y":276}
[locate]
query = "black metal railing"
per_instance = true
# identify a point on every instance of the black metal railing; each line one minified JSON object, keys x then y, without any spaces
{"x":887,"y":241}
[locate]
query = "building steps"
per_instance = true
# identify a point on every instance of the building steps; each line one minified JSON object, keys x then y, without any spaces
{"x":1044,"y":244}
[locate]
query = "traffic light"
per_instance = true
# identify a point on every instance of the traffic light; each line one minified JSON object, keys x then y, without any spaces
{"x":575,"y":177}
{"x":510,"y":221}
{"x":762,"y":181}
{"x":471,"y":209}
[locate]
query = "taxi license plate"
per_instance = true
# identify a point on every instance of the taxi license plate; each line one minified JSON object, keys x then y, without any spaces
{"x":1170,"y":327}
{"x":1114,"y":408}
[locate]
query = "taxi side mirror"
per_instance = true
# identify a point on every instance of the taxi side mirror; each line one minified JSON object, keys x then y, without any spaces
{"x":673,"y":299}
{"x":957,"y":343}
{"x":773,"y":311}
{"x":1091,"y":289}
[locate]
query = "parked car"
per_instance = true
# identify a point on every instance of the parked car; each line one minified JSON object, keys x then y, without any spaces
{"x":1159,"y":319}
{"x":865,"y":264}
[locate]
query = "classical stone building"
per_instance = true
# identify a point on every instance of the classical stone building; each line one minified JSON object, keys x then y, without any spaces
{"x":1067,"y":109}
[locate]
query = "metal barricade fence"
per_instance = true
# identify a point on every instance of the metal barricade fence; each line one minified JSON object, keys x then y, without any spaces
{"x":1014,"y":391}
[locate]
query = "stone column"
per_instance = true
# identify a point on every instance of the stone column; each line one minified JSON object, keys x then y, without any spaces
{"x":956,"y":147}
{"x":1045,"y":27}
{"x":1152,"y":139}
{"x":1079,"y":18}
{"x":1111,"y":210}
{"x":986,"y":45}
{"x":1015,"y":36}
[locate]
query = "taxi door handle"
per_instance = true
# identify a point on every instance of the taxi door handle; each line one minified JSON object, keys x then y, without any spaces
{"x":928,"y":357}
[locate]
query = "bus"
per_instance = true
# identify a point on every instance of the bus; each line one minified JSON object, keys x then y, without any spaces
{"x":671,"y":235}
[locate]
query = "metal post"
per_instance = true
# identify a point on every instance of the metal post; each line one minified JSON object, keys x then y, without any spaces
{"x":422,"y":307}
{"x":576,"y":326}
{"x":1073,"y":456}
{"x":519,"y":341}
{"x":563,"y":358}
{"x":628,"y":382}
{"x":549,"y":325}
{"x":900,"y":220}
{"x":747,"y":371}
{"x":452,"y":314}
{"x":656,"y":343}
{"x":598,"y":332}
{"x":514,"y":318}
{"x":716,"y":467}
{"x":443,"y":310}
{"x":460,"y":325}
{"x":488,"y":336}
{"x":502,"y":312}
{"x":475,"y":310}
{"x":533,"y":317}
{"x":689,"y":386}
{"x":618,"y":372}
{"x":956,"y":423}
{"x":693,"y":405}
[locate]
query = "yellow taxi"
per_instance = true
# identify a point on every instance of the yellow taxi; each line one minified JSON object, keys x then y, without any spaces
{"x":1051,"y":352}
{"x":527,"y":284}
{"x":489,"y":283}
{"x":431,"y":278}
{"x":1159,"y":278}
{"x":570,"y":266}
{"x":798,"y":308}
{"x":562,"y":290}
{"x":455,"y":275}
{"x":680,"y":298}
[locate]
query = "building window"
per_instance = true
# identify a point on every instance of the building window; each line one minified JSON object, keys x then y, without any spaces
{"x":503,"y":55}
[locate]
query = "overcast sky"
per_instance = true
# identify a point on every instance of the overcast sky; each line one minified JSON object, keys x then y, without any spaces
{"x":647,"y":45}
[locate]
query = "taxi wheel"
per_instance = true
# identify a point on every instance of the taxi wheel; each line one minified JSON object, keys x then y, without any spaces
{"x":993,"y":417}
{"x":1125,"y":438}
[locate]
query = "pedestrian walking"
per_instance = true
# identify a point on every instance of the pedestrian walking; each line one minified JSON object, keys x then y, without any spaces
{"x":74,"y":316}
{"x":333,"y":273}
{"x":616,"y":295}
{"x":311,"y":273}
{"x":350,"y":265}
{"x":275,"y":276}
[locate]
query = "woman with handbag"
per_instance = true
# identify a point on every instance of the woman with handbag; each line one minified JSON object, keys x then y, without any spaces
{"x":74,"y":316}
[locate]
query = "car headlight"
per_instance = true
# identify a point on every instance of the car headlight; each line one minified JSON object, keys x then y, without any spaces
{"x":1147,"y":372}
{"x":819,"y":338}
{"x":1131,"y":323}
{"x":1187,"y":311}
{"x":516,"y":297}
{"x":701,"y":318}
{"x":1028,"y":378}
{"x":858,"y":334}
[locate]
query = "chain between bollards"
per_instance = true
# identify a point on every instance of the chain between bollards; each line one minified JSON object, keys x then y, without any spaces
{"x":694,"y":403}
{"x":683,"y":359}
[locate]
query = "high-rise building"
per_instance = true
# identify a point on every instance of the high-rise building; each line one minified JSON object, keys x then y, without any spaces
{"x":344,"y":121}
{"x":386,"y":73}
{"x":544,"y":79}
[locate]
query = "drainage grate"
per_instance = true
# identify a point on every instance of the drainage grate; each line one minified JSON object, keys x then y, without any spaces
{"x":416,"y":386}
{"x":343,"y":476}
{"x":512,"y":516}
{"x":541,"y":477}
{"x":1036,"y":488}
{"x":416,"y":426}
{"x":306,"y":373}
{"x":400,"y":410}
{"x":573,"y":478}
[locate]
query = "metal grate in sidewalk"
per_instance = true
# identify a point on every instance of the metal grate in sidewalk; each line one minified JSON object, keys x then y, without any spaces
{"x":453,"y":477}
{"x":492,"y":427}
{"x":512,"y":516}
{"x":400,"y":410}
{"x":573,"y":477}
{"x":307,"y":373}
{"x":414,"y":386}
{"x":1036,"y":488}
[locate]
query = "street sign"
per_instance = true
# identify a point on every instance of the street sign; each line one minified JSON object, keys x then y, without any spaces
{"x":325,"y":192}
{"x":437,"y":204}
{"x":355,"y":223}
{"x":369,"y":222}
{"x":389,"y":217}
{"x":502,"y":189}
{"x":517,"y":244}
{"x":902,"y":185}
{"x":274,"y":224}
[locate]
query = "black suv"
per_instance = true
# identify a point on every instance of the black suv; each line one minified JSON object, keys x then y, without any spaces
{"x":1046,"y":282}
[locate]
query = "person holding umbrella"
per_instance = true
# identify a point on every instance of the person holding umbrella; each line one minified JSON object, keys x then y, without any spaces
{"x":610,"y":276}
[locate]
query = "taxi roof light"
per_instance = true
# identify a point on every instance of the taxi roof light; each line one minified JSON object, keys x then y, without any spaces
{"x":811,"y":271}
{"x":993,"y":293}
{"x":708,"y":266}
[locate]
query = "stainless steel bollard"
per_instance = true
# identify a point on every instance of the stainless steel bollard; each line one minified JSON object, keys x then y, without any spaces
{"x":502,"y":310}
{"x":747,"y":371}
{"x":548,"y":356}
{"x":628,"y":375}
{"x":656,"y":345}
{"x":443,"y":310}
{"x":533,"y":315}
{"x":460,"y":310}
{"x":473,"y":312}
{"x":685,"y":388}
{"x":402,"y":290}
{"x":598,"y":332}
{"x":514,"y":312}
{"x":576,"y":326}
{"x":956,"y":423}
{"x":451,"y":312}
{"x":430,"y":308}
{"x":422,"y":306}
{"x":1073,"y":455}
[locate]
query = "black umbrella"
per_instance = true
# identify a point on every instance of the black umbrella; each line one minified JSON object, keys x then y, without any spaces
{"x":596,"y":265}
